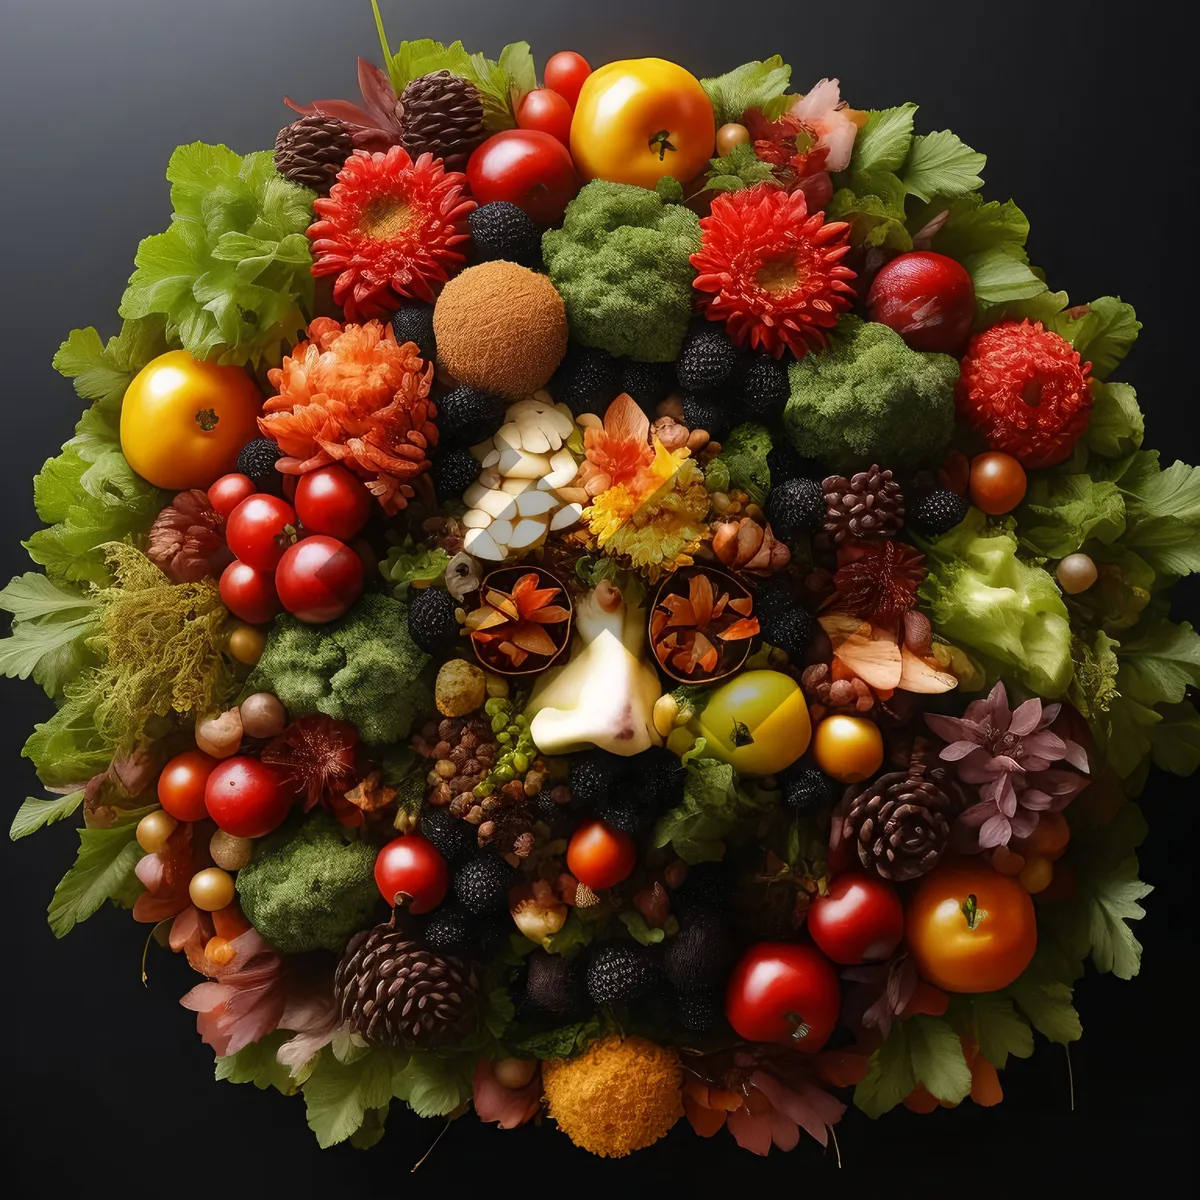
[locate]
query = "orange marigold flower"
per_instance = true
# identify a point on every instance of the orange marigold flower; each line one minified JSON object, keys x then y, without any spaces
{"x":354,"y":395}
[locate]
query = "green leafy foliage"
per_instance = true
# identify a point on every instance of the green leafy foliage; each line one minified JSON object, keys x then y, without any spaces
{"x":872,"y":202}
{"x":68,"y":749}
{"x":996,"y":1027}
{"x":738,"y":169}
{"x":715,"y":807}
{"x":742,"y":463}
{"x":1103,"y":332}
{"x":622,"y":264}
{"x":103,"y":870}
{"x":362,"y":668}
{"x":1061,"y":512}
{"x":760,"y":85}
{"x":1044,"y":996}
{"x":231,"y":274}
{"x":1116,"y":426}
{"x":869,"y":398}
{"x":940,"y":164}
{"x":883,"y":143}
{"x":50,"y":629}
{"x":257,"y":1064}
{"x":560,"y":1042}
{"x":413,"y":563}
{"x":435,"y":1085}
{"x":339,"y":1095}
{"x":34,"y":814}
{"x":922,"y":1050}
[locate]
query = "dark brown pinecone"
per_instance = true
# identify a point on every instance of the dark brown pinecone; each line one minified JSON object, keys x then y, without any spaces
{"x":901,"y":823}
{"x":442,"y":115}
{"x":869,"y":504}
{"x":312,"y":150}
{"x":394,"y":990}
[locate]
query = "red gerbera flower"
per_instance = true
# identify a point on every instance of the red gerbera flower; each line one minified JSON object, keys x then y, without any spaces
{"x":388,"y":229}
{"x":1024,"y":388}
{"x":774,"y":272}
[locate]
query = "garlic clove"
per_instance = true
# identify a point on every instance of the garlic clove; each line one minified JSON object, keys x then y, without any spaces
{"x":535,"y":503}
{"x":526,"y":533}
{"x":476,"y":518}
{"x":566,"y":517}
{"x":481,"y":543}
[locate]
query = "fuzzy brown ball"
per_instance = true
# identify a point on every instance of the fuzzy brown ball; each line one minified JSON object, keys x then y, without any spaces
{"x":500,"y":328}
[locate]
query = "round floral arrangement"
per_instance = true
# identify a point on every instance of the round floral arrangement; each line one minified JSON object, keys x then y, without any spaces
{"x":622,"y":601}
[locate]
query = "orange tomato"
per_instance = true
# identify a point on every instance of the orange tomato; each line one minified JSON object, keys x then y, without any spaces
{"x":970,"y":929}
{"x":997,"y":483}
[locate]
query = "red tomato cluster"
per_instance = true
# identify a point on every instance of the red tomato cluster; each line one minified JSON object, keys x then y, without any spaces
{"x":292,"y":558}
{"x":244,"y":796}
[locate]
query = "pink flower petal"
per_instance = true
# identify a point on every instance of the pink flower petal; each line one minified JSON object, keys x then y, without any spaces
{"x":1023,"y":824}
{"x":751,"y":1131}
{"x":995,"y":832}
{"x":1026,"y":717}
{"x":957,"y":750}
{"x":977,"y":814}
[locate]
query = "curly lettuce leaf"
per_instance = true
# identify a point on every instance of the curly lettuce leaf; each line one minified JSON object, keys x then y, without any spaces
{"x":412,"y":563}
{"x":35,"y":814}
{"x":67,"y":750}
{"x":49,"y":634}
{"x":339,"y":1096}
{"x":1116,"y":426}
{"x":1102,"y":332}
{"x":941,"y":164}
{"x":990,"y":1020}
{"x":884,"y":142}
{"x":232,"y":273}
{"x":1061,"y":512}
{"x":714,"y":807}
{"x":761,"y":85}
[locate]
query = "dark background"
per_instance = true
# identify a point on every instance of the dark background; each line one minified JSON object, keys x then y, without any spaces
{"x":1087,"y":122}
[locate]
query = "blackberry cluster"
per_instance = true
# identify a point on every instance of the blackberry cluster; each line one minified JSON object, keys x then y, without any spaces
{"x":782,"y":620}
{"x":257,"y":461}
{"x":795,"y":507}
{"x":619,"y":972}
{"x":553,"y":984}
{"x":586,"y":381}
{"x":502,"y":230}
{"x":432,"y":623}
{"x":626,"y":793}
{"x":466,"y":415}
{"x":807,"y":790}
{"x":760,"y":386}
{"x":648,"y":383}
{"x":703,"y":410}
{"x":413,"y":322}
{"x":938,"y":513}
{"x":455,"y":468}
{"x":481,"y":884}
{"x":707,"y":358}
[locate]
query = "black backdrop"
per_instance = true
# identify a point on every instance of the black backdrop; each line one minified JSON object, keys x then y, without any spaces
{"x":1087,"y":121}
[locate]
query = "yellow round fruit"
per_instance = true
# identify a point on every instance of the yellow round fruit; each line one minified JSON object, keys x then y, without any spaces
{"x":757,"y":722}
{"x":211,"y":889}
{"x":183,"y":421}
{"x":850,"y":749}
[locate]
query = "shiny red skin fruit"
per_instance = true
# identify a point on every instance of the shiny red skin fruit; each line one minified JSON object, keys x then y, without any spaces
{"x":245,"y":797}
{"x":249,"y":594}
{"x":412,"y":866}
{"x":318,"y":579}
{"x":182,"y":784}
{"x":527,"y":168}
{"x":565,"y":73}
{"x":333,"y":501}
{"x":229,"y":491}
{"x":774,"y":986}
{"x":256,"y":531}
{"x":860,"y":919}
{"x":927,"y":298}
{"x":545,"y":110}
{"x":600,"y":856}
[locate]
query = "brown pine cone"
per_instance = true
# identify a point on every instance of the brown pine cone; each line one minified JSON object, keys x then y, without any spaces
{"x":312,"y":150}
{"x":901,"y":823}
{"x":396,"y":991}
{"x":441,"y":114}
{"x":869,"y":504}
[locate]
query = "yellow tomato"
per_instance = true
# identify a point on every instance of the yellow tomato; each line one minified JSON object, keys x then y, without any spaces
{"x":757,"y":722}
{"x":640,"y":119}
{"x":183,"y":421}
{"x":850,"y":749}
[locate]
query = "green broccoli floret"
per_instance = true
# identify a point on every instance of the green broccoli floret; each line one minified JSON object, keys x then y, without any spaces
{"x":870,"y":399}
{"x":621,"y":263}
{"x":308,"y":887}
{"x":742,"y":463}
{"x":362,"y":668}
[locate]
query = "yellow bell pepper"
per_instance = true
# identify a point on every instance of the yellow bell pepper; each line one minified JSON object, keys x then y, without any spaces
{"x":640,"y":119}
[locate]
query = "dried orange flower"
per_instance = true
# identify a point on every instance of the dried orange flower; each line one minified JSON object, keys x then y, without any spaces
{"x":687,"y":631}
{"x":512,"y":624}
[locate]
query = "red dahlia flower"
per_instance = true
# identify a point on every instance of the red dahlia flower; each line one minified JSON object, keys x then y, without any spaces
{"x":772,"y":271}
{"x":388,"y":229}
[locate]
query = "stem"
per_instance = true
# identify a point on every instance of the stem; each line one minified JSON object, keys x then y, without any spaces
{"x":800,"y":1028}
{"x":972,"y":911}
{"x":383,"y":42}
{"x":433,"y":1145}
{"x":207,"y":419}
{"x":661,"y":142}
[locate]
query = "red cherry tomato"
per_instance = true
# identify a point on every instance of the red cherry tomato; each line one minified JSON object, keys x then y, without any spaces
{"x":600,"y":856}
{"x":546,"y":110}
{"x":256,"y":530}
{"x":997,"y":483}
{"x":229,"y":491}
{"x":927,"y":298}
{"x":249,"y":594}
{"x":565,"y":73}
{"x":860,"y":919}
{"x":318,"y":579}
{"x":783,"y":992}
{"x":246,"y":797}
{"x":411,"y":866}
{"x":527,"y":168}
{"x":182,"y":782}
{"x":332,"y":500}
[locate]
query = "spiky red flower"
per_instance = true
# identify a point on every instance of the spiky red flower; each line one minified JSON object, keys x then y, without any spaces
{"x":1024,"y":388}
{"x":388,"y":229}
{"x":878,"y":580}
{"x":773,"y":272}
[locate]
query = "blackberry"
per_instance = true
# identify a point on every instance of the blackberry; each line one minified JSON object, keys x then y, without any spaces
{"x":784,"y":463}
{"x":413,"y":322}
{"x":553,"y":984}
{"x":449,"y":928}
{"x":470,"y":416}
{"x":697,"y":957}
{"x":648,"y":383}
{"x":791,"y":629}
{"x":760,"y":387}
{"x":706,"y":895}
{"x":806,"y":790}
{"x":773,"y":595}
{"x":702,"y":410}
{"x":796,"y":507}
{"x":938,"y":513}
{"x":698,"y":1012}
{"x":619,"y":971}
{"x":257,"y":460}
{"x":454,"y":839}
{"x":586,"y":380}
{"x":502,"y":230}
{"x":706,"y":359}
{"x":634,"y":790}
{"x":454,"y":470}
{"x":432,"y":624}
{"x":481,"y":884}
{"x":592,"y":773}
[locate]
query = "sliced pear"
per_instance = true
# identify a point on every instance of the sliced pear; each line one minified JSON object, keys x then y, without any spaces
{"x":489,"y":477}
{"x":501,"y":531}
{"x":475,"y":493}
{"x":517,"y":464}
{"x":508,"y":437}
{"x":563,"y":468}
{"x":514,"y":487}
{"x":533,"y":439}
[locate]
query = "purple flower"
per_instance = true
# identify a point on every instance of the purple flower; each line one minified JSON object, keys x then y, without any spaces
{"x":1009,"y":756}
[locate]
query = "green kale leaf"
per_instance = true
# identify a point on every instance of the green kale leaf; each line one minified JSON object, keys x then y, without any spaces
{"x":761,"y":85}
{"x":738,"y":169}
{"x":49,"y":635}
{"x":34,"y":814}
{"x":339,"y":1095}
{"x":1102,"y":332}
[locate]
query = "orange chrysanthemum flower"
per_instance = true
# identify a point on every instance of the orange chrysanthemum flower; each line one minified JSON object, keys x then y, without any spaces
{"x":356,"y":396}
{"x":619,"y":450}
{"x":771,"y":272}
{"x":388,"y":229}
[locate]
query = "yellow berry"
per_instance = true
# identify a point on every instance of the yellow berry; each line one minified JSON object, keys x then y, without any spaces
{"x":731,"y":135}
{"x":246,"y":643}
{"x":211,"y":889}
{"x":1035,"y":876}
{"x":219,"y":951}
{"x":154,"y":829}
{"x":850,"y":749}
{"x":514,"y":1072}
{"x":1076,"y":573}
